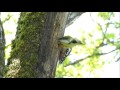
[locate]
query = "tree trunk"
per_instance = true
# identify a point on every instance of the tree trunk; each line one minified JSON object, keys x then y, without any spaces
{"x":35,"y":49}
{"x":72,"y":17}
{"x":2,"y":47}
{"x":49,"y":50}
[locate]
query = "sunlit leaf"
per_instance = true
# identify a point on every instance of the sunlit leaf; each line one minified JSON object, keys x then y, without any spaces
{"x":99,"y":27}
{"x":66,"y":62}
{"x":104,"y":15}
{"x":111,"y":35}
{"x":8,"y":32}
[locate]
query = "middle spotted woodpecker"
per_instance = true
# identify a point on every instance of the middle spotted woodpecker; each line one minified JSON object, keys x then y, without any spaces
{"x":66,"y":43}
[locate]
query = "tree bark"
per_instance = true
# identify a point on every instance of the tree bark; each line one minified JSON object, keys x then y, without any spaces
{"x":35,"y":49}
{"x":49,"y":50}
{"x":72,"y":17}
{"x":2,"y":47}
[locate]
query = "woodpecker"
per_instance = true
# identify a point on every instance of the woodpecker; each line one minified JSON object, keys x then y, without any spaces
{"x":66,"y":44}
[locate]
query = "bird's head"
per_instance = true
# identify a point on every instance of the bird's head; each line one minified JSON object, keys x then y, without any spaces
{"x":69,"y":42}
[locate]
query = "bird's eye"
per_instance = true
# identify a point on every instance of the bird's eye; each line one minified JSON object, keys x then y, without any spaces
{"x":74,"y":41}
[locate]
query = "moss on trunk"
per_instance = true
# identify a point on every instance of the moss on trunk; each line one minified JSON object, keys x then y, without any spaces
{"x":35,"y":49}
{"x":26,"y":44}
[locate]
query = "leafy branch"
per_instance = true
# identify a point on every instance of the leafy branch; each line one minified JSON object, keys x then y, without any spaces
{"x":101,"y":28}
{"x":102,"y":43}
{"x":98,"y":54}
{"x":7,"y":18}
{"x":117,"y":59}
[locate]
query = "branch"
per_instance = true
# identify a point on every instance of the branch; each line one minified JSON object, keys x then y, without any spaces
{"x":104,"y":33}
{"x":7,"y":18}
{"x":117,"y":59}
{"x":72,"y":17}
{"x":101,"y":45}
{"x":90,"y":56}
{"x":106,"y":28}
{"x":8,"y":45}
{"x":107,"y":52}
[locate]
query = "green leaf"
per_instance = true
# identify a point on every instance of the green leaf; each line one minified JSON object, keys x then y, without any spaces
{"x":7,"y":46}
{"x":118,"y":46}
{"x":111,"y":35}
{"x":104,"y":15}
{"x":117,"y":25}
{"x":107,"y":25}
{"x":8,"y":32}
{"x":67,"y":61}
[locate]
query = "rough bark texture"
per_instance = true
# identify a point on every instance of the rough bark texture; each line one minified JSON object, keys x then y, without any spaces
{"x":25,"y":47}
{"x":2,"y":47}
{"x":49,"y":50}
{"x":35,"y":48}
{"x":72,"y":17}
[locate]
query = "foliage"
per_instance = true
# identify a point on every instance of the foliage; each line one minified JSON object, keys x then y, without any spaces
{"x":97,"y":41}
{"x":9,"y":20}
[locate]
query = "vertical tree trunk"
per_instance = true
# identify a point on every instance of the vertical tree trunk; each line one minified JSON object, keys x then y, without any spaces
{"x":35,"y":48}
{"x":2,"y":47}
{"x":49,"y":50}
